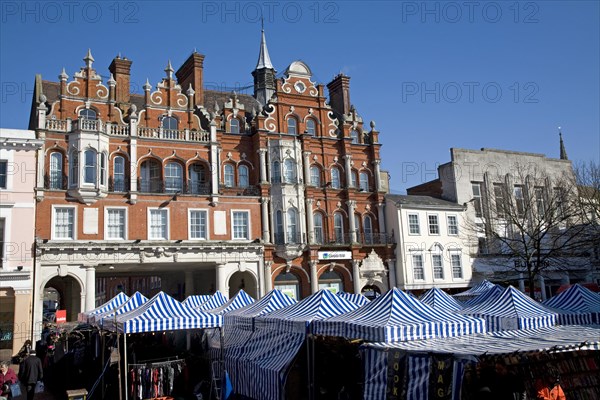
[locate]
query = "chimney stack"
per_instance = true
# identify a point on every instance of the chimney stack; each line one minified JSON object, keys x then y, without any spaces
{"x":339,"y":94}
{"x":121,"y":70}
{"x":191,"y":73}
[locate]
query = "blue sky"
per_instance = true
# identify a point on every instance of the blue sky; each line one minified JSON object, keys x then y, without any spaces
{"x":432,"y":75}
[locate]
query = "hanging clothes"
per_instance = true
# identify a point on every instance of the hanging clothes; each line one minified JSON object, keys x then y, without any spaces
{"x":152,"y":380}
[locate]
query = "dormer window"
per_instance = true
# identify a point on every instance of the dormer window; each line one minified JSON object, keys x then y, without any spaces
{"x":234,"y":125}
{"x":354,"y":136}
{"x":88,"y":114}
{"x":169,"y":123}
{"x":310,"y":127}
{"x":292,"y":126}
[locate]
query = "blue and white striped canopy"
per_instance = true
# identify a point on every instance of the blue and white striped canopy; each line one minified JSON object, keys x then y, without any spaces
{"x":216,"y":300}
{"x":576,"y":305}
{"x":475,"y":290}
{"x":355,"y":298}
{"x":196,"y":300}
{"x":441,"y":300}
{"x":241,"y":299}
{"x":244,"y":317}
{"x":512,"y":310}
{"x":298,"y":317}
{"x":491,"y":293}
{"x":162,"y":313}
{"x":113,"y":303}
{"x":134,"y":301}
{"x":397,"y":316}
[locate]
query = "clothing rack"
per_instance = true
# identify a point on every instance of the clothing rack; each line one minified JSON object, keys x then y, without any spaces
{"x":157,"y":363}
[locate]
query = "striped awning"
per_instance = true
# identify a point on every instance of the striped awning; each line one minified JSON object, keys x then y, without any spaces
{"x":491,"y":293}
{"x":576,"y":306}
{"x":196,"y":300}
{"x":241,"y":299}
{"x":475,"y":290}
{"x":244,"y":317}
{"x":297,"y":317}
{"x":162,"y":313}
{"x":512,"y":310}
{"x":216,"y":300}
{"x":113,"y":303}
{"x":441,"y":300}
{"x":397,"y":316}
{"x":134,"y":301}
{"x":355,"y":298}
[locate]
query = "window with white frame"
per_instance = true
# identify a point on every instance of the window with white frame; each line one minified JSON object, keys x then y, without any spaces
{"x":292,"y":125}
{"x":413,"y":224}
{"x":335,"y":178}
{"x":240,"y":225}
{"x":115,"y":223}
{"x":243,"y":176}
{"x":158,"y":224}
{"x":354,"y":177}
{"x":119,"y":174}
{"x":434,"y":226}
{"x":315,"y":176}
{"x":89,"y":172}
{"x":310,"y":127}
{"x":56,"y":171}
{"x":88,"y":114}
{"x":74,"y":168}
{"x":520,"y":200}
{"x":275,"y":172}
{"x":292,"y":226}
{"x":357,"y":226}
{"x":198,"y":224}
{"x":338,"y":227}
{"x":169,"y":123}
{"x":318,"y":226}
{"x":438,"y":266}
{"x":452,"y":225}
{"x":3,"y":174}
{"x":228,"y":173}
{"x":456,"y":264}
{"x":197,"y":177}
{"x":173,"y":177}
{"x":64,"y":223}
{"x":234,"y":125}
{"x":418,"y":270}
{"x":476,"y":188}
{"x":364,"y":182}
{"x":289,"y":167}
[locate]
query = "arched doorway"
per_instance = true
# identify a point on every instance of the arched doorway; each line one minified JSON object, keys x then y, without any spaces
{"x":67,"y":292}
{"x":289,"y":284}
{"x":243,"y":280}
{"x":331,"y":281}
{"x":371,"y":292}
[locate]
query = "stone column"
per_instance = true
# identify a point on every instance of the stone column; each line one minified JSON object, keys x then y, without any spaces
{"x":377,"y":164}
{"x":542,"y":287}
{"x":391,"y":264}
{"x":310,"y":226}
{"x":306,"y":165}
{"x":381,"y":217}
{"x":351,"y":206}
{"x":314,"y":279}
{"x":189,"y":283}
{"x":262,"y":154}
{"x":133,"y":159}
{"x":90,"y":288}
{"x":356,"y":275}
{"x":220,"y":279}
{"x":348,"y":166}
{"x":264,"y":217}
{"x":521,"y":282}
{"x":215,"y":169}
{"x":268,"y":279}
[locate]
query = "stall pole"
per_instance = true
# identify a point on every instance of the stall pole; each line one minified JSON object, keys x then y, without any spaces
{"x":125,"y":364}
{"x":103,"y":350}
{"x":119,"y":366}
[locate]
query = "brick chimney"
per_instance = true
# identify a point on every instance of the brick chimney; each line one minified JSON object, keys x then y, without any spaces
{"x":191,"y":73}
{"x":339,"y":94}
{"x":121,"y":70}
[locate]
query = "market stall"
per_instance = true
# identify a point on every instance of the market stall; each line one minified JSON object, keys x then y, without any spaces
{"x":113,"y":303}
{"x":576,"y":306}
{"x":440,"y":300}
{"x":134,"y":301}
{"x":355,"y":298}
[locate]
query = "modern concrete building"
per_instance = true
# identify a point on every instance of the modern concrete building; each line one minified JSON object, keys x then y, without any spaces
{"x":18,"y":149}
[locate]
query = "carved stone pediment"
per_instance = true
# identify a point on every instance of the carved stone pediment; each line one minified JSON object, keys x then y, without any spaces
{"x":372,"y":266}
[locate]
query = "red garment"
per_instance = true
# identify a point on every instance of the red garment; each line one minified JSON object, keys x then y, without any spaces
{"x":7,"y":379}
{"x":556,"y":393}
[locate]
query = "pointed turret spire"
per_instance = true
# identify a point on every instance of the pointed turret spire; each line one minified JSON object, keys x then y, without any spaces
{"x":89,"y":59}
{"x":563,"y":151}
{"x":264,"y":74}
{"x":264,"y":61}
{"x":169,"y":70}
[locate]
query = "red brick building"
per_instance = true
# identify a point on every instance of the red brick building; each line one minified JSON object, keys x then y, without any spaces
{"x":190,"y":190}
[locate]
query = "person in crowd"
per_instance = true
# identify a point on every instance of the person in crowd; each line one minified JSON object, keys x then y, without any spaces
{"x":7,"y":378}
{"x":550,"y":391}
{"x":30,"y":372}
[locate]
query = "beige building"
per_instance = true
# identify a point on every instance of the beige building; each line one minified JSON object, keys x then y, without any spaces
{"x":17,"y":212}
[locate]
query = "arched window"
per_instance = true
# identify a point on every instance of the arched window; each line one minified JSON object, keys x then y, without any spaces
{"x":119,"y":174}
{"x":74,"y":168}
{"x":338,"y":227}
{"x":335,"y":178}
{"x":368,"y":229}
{"x":310,"y":127}
{"x":288,"y":284}
{"x":90,"y":159}
{"x":357,"y":227}
{"x":331,"y":281}
{"x":318,"y":227}
{"x":197,"y":176}
{"x":292,"y":125}
{"x":315,"y":176}
{"x":88,"y":114}
{"x":228,"y":175}
{"x":364,"y":182}
{"x":354,"y":176}
{"x":290,"y":170}
{"x":169,"y":123}
{"x":354,"y":136}
{"x":103,"y":175}
{"x":56,"y":170}
{"x":279,"y":237}
{"x":234,"y":125}
{"x":243,"y":178}
{"x":173,"y":177}
{"x":275,"y":172}
{"x":150,"y":181}
{"x":292,"y":226}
